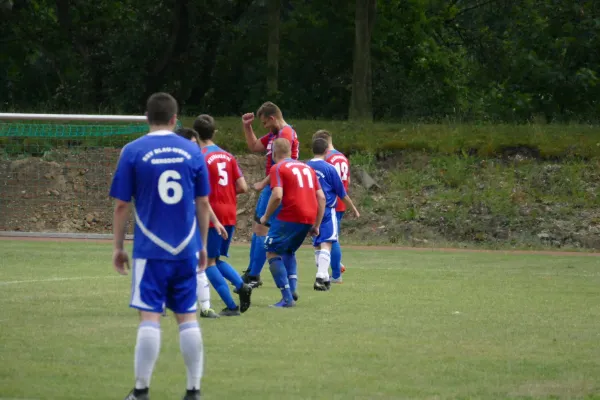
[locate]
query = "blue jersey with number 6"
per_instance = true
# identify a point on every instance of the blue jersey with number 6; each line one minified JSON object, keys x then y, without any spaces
{"x":164,"y":173}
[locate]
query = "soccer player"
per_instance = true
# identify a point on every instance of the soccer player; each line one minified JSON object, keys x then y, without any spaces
{"x":272,"y":119}
{"x":342,"y":166}
{"x":227,"y":181}
{"x":167,"y":177}
{"x":219,"y":239}
{"x":333,"y":188}
{"x":296,"y":188}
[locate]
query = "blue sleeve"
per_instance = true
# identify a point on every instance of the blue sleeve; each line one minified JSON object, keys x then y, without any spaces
{"x":123,"y":183}
{"x":338,"y":185}
{"x":201,"y":182}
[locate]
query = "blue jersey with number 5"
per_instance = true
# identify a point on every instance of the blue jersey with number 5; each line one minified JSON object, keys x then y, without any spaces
{"x":164,"y":173}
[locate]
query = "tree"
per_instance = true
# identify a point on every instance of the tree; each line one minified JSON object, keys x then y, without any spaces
{"x":362,"y":87}
{"x":274,"y":7}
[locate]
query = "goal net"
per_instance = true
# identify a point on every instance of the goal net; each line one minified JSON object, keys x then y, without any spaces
{"x":56,"y":170}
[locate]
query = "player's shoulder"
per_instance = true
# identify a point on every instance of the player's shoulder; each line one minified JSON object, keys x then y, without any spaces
{"x":287,"y":130}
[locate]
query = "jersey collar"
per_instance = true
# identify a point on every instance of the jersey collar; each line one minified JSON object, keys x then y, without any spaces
{"x":161,"y":133}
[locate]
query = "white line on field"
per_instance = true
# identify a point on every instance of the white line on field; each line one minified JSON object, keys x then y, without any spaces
{"x":76,"y":278}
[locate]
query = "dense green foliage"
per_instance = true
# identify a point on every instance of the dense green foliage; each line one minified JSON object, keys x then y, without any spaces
{"x":432,"y":60}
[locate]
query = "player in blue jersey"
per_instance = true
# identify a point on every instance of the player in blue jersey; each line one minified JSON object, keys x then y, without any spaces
{"x":167,"y":178}
{"x":333,"y":187}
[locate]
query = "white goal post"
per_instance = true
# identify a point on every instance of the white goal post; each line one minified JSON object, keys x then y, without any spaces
{"x":24,"y":118}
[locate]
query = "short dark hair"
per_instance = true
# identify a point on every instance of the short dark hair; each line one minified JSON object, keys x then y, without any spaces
{"x":205,"y":126}
{"x":160,"y":108}
{"x":269,"y":109}
{"x":188,"y":133}
{"x":319,"y":146}
{"x":322,"y":134}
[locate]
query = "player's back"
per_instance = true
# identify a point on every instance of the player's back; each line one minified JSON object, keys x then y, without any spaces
{"x":329,"y":180}
{"x":163,"y":173}
{"x":223,"y":171}
{"x":299,"y":184}
{"x":342,"y":166}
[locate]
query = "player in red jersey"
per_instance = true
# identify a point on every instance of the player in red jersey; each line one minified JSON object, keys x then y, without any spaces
{"x":272,"y":119}
{"x":342,"y":166}
{"x":298,"y":196}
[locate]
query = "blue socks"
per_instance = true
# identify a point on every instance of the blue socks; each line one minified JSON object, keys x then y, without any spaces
{"x":230,"y":274}
{"x":218,"y":282}
{"x":258,"y":255}
{"x":280,"y":276}
{"x":336,"y":260}
{"x":291,"y":266}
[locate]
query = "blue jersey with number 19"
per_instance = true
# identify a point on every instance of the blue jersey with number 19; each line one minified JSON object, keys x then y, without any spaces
{"x":164,"y":173}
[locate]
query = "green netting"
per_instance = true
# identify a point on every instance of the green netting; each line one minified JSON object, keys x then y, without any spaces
{"x":8,"y":129}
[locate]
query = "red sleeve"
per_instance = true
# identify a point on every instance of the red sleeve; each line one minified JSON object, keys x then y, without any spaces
{"x":288,"y":133}
{"x":265,"y":140}
{"x":237,"y":172}
{"x":275,"y":177}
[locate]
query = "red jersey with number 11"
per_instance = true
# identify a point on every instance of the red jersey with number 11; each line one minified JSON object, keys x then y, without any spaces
{"x":342,"y":166}
{"x":300,"y":185}
{"x":223,"y":172}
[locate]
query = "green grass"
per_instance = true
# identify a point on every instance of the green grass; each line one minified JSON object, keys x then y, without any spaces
{"x":552,"y":141}
{"x":414,"y":325}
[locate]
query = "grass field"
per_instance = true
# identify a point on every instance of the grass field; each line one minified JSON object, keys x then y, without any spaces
{"x":404,"y":325}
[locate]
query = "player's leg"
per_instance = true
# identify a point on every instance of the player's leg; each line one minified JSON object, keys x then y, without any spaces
{"x":323,"y":243}
{"x":203,"y":288}
{"x":181,"y":298}
{"x":257,"y":250}
{"x":276,"y":246}
{"x":148,"y":295}
{"x":213,"y":248}
{"x":291,"y":266}
{"x":337,"y":268}
{"x":242,"y":289}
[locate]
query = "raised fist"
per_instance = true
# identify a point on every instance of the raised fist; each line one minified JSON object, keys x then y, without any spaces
{"x":247,"y":118}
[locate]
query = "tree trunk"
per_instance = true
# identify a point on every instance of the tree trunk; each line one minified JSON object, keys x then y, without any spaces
{"x":274,"y":7}
{"x":361,"y":99}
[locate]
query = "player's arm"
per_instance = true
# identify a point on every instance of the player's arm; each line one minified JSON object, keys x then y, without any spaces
{"x":203,"y":211}
{"x":253,"y":143}
{"x":218,"y":225}
{"x":122,"y":191}
{"x":320,"y":211}
{"x":258,"y":186}
{"x":348,"y":202}
{"x":241,"y":186}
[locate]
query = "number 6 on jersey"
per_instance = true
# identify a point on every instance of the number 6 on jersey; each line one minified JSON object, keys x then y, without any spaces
{"x":170,"y":192}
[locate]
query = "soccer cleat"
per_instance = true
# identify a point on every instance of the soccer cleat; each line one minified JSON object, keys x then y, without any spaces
{"x":210,"y":313}
{"x":192,"y":395}
{"x":253,"y":281}
{"x":320,"y":285}
{"x":343,"y":269}
{"x":283,"y":304}
{"x":295,"y":296}
{"x":139,"y":396}
{"x":228,"y":312}
{"x":245,"y":293}
{"x":337,"y":280}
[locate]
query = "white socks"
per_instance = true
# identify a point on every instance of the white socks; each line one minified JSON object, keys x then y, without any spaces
{"x":190,"y":343}
{"x":147,"y":348}
{"x":203,"y":291}
{"x":323,"y":258}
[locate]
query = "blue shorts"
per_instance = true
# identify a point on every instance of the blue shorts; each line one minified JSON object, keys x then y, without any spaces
{"x":156,"y":283}
{"x":217,"y":246}
{"x":339,"y":215}
{"x":329,"y":229}
{"x":285,"y":237}
{"x":261,"y":206}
